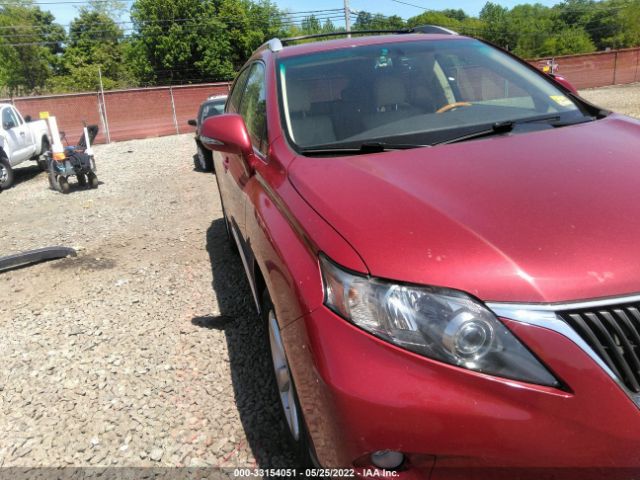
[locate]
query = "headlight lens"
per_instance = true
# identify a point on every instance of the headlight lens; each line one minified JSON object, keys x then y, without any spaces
{"x":439,"y":323}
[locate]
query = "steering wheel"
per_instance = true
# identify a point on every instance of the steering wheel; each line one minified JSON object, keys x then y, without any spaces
{"x":451,"y":106}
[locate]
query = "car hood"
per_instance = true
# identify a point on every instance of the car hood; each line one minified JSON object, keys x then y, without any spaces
{"x":547,"y":216}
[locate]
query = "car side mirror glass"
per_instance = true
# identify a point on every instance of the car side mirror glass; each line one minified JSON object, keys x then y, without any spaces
{"x":192,"y":122}
{"x":226,"y":133}
{"x":27,"y":118}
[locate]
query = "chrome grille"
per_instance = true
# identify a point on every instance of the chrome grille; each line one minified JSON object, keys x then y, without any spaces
{"x":613,"y":332}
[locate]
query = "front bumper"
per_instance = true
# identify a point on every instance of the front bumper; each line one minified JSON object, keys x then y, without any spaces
{"x":360,"y":394}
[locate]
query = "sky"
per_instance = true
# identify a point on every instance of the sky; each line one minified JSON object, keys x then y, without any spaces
{"x":65,"y":12}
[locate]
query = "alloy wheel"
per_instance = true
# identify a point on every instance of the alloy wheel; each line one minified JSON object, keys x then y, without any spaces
{"x":284,"y":381}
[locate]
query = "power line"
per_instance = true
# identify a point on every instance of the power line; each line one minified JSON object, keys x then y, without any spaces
{"x":292,"y":16}
{"x":413,"y":5}
{"x":126,"y":37}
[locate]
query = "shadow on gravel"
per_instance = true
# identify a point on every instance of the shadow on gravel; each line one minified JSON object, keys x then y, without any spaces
{"x":24,"y":174}
{"x":253,"y":384}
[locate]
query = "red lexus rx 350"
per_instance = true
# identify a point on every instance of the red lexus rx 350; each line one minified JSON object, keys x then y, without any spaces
{"x":444,"y":244}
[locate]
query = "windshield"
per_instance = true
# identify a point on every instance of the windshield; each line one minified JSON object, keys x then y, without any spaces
{"x":423,"y":92}
{"x":210,"y":109}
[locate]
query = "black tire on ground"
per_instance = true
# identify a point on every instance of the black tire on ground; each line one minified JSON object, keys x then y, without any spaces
{"x":53,"y":176}
{"x":64,"y":184}
{"x":82,"y":179}
{"x":205,"y":159}
{"x":300,"y":446}
{"x":43,"y":163}
{"x":6,"y":173}
{"x":93,"y":180}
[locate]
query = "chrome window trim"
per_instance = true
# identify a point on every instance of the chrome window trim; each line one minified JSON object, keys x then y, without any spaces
{"x":544,"y":315}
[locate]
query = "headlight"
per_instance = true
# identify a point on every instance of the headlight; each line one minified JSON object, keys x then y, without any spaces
{"x":439,"y":323}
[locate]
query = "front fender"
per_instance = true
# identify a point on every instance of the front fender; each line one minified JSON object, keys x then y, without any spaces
{"x":277,"y":220}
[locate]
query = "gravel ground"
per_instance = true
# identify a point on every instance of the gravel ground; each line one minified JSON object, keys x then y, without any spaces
{"x":145,"y":349}
{"x":619,"y":98}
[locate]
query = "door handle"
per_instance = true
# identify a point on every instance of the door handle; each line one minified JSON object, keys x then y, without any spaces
{"x":22,"y":134}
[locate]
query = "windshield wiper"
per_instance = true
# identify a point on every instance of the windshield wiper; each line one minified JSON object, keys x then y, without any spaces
{"x":363,"y":148}
{"x":498,"y":128}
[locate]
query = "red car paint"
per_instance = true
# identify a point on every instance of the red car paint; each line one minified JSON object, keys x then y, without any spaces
{"x":504,"y":219}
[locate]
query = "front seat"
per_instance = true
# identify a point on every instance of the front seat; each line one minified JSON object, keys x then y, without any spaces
{"x":390,"y":99}
{"x":307,"y":129}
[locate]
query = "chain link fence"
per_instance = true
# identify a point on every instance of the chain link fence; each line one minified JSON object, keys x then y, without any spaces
{"x":123,"y":114}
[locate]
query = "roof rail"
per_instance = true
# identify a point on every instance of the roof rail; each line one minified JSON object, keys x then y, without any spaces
{"x":275,"y":45}
{"x":428,"y":29}
{"x":434,"y":29}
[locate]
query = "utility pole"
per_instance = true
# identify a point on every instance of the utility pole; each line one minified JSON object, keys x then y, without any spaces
{"x":104,"y":106}
{"x":347,"y":18}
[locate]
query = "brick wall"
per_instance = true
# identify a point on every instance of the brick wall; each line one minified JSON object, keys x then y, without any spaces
{"x":136,"y":113}
{"x":598,"y":69}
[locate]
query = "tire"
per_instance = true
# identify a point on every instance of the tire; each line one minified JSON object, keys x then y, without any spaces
{"x":6,"y":173}
{"x":291,"y":414}
{"x":64,"y":184}
{"x":43,"y":163}
{"x":205,"y":159}
{"x":53,"y":176}
{"x":227,"y":227}
{"x":93,"y":180}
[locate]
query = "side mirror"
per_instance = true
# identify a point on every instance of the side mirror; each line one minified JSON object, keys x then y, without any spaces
{"x":564,"y":82}
{"x":226,"y":133}
{"x":27,"y":118}
{"x":192,"y":122}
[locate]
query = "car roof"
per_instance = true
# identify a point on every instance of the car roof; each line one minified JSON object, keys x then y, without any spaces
{"x":213,"y":98}
{"x":326,"y":45}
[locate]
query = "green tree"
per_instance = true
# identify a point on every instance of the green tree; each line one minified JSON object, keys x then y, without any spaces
{"x":369,"y":21}
{"x":30,"y":42}
{"x":95,"y":47}
{"x":495,"y":28}
{"x":197,"y":40}
{"x":310,"y":25}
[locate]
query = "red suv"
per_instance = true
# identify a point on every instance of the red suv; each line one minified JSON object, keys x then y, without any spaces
{"x":444,"y":244}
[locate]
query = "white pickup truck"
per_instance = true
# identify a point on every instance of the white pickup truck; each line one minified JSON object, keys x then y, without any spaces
{"x":20,"y":141}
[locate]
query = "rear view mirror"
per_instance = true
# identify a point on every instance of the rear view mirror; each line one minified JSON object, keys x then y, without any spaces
{"x":27,"y":118}
{"x":226,"y":133}
{"x":192,"y":122}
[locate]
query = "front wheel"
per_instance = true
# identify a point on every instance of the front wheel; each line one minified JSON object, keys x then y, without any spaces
{"x":205,"y":159}
{"x":286,"y":390}
{"x":6,"y":173}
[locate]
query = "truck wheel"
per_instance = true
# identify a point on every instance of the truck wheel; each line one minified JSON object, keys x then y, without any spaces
{"x":6,"y":173}
{"x":43,"y":163}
